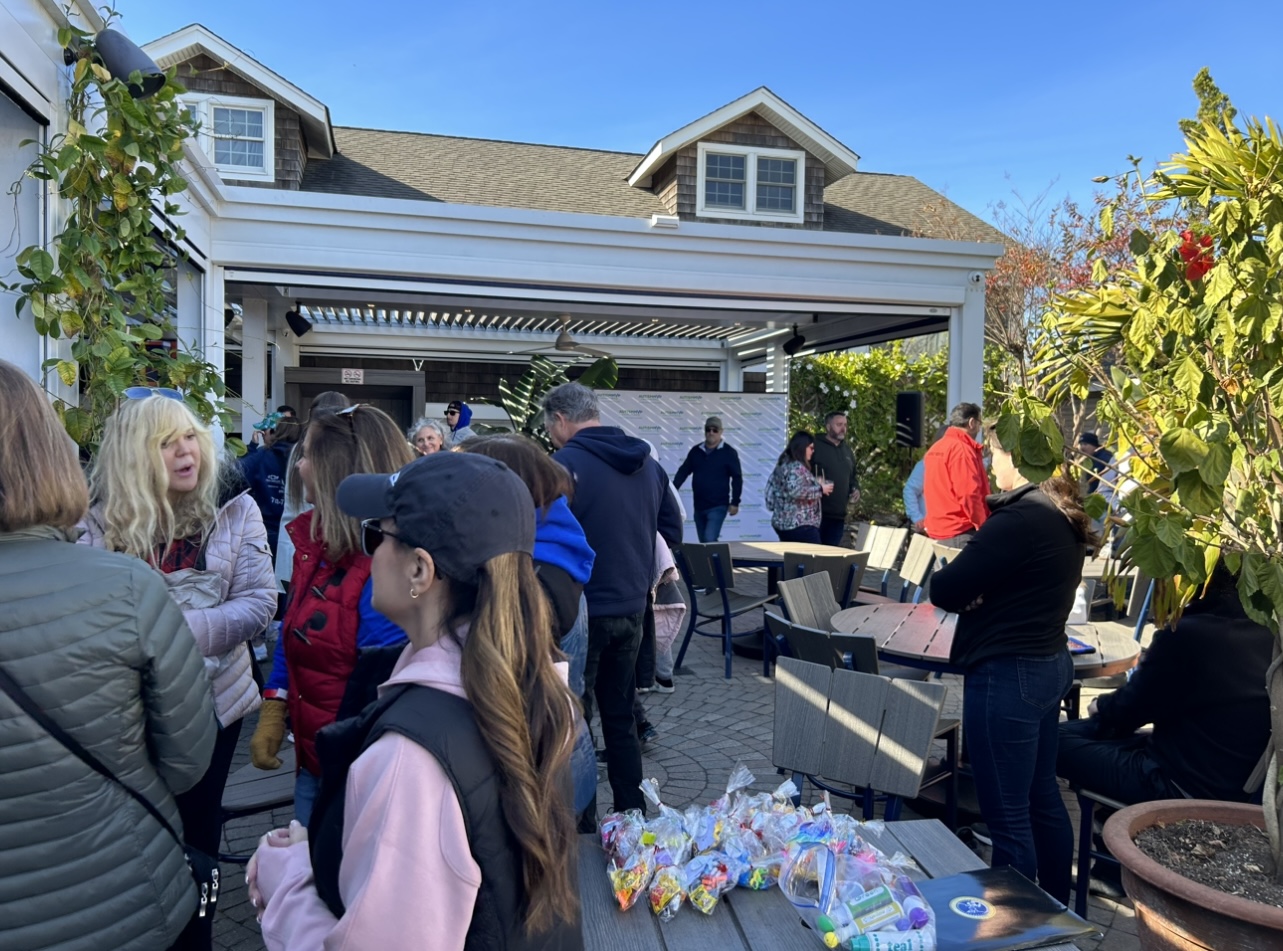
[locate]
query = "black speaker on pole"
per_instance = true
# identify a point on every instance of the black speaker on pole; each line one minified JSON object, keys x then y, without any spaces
{"x":908,"y":419}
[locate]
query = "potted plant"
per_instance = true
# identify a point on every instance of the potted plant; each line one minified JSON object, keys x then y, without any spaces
{"x":1183,"y":347}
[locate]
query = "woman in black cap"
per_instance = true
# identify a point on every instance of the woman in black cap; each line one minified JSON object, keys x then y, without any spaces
{"x":454,"y":786}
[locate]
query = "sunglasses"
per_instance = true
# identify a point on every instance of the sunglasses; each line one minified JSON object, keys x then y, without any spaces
{"x":711,"y":429}
{"x":143,"y":392}
{"x":372,"y":535}
{"x":452,"y":412}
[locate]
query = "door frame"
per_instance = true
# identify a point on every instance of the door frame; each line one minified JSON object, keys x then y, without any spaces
{"x":333,"y":376}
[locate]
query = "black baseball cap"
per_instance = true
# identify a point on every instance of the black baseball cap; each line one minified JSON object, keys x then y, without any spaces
{"x":462,"y":508}
{"x":454,"y":404}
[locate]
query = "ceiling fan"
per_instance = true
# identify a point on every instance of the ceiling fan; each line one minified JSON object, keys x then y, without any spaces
{"x":565,"y":343}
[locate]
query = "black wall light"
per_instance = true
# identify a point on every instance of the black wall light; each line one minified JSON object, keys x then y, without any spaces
{"x":122,"y":58}
{"x":794,"y":343}
{"x":298,"y":323}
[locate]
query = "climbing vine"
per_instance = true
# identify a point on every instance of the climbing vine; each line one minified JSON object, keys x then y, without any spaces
{"x":103,"y":284}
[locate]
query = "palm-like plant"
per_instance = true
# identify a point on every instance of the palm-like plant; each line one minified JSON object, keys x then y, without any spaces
{"x":522,"y":399}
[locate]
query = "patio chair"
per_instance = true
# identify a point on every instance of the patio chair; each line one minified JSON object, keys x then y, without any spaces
{"x":805,"y":643}
{"x":708,"y":571}
{"x":1087,"y":803}
{"x":844,"y":571}
{"x":883,"y":545}
{"x":1139,"y":602}
{"x":809,"y":600}
{"x":919,"y":562}
{"x":866,"y":732}
{"x":860,"y":535}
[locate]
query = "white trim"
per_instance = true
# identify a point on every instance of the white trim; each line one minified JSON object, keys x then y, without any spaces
{"x":206,"y":103}
{"x":750,"y":210}
{"x":839,"y":161}
{"x":182,"y":45}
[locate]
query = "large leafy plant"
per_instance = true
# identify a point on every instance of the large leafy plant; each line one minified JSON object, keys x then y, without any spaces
{"x":1183,"y":346}
{"x":522,"y":398}
{"x":103,"y":287}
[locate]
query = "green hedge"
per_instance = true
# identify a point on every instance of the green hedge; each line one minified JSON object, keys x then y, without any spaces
{"x":865,"y":385}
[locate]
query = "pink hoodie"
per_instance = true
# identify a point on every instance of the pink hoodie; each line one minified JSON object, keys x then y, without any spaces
{"x":408,"y":879}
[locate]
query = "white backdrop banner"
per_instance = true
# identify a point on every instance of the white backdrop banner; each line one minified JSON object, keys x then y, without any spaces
{"x":753,"y":423}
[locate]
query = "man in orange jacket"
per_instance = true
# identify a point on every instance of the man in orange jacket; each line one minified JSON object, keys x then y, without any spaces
{"x":955,"y":483}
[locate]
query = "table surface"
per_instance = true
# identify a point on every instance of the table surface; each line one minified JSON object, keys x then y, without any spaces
{"x":772,"y":553}
{"x":746,"y":920}
{"x":923,"y":634}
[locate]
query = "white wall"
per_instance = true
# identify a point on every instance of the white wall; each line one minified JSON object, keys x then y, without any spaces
{"x":753,"y":423}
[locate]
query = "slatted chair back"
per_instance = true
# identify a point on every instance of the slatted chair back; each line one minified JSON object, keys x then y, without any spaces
{"x":702,"y":564}
{"x":861,"y":649}
{"x":807,"y":643}
{"x":916,"y":568}
{"x":878,"y":732}
{"x":860,"y":535}
{"x":884,"y":544}
{"x":801,"y":709}
{"x":845,"y":571}
{"x":1139,"y":595}
{"x":809,"y":600}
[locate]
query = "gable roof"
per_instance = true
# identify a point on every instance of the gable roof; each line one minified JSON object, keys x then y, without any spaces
{"x":194,"y":39}
{"x":423,"y":167}
{"x":838,"y":160}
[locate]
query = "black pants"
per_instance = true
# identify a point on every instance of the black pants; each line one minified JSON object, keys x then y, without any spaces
{"x":833,"y":530}
{"x":201,"y":809}
{"x":610,"y":679}
{"x":1121,"y":768}
{"x":809,"y":534}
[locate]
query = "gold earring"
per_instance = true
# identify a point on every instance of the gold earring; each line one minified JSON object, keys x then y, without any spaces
{"x":413,"y":593}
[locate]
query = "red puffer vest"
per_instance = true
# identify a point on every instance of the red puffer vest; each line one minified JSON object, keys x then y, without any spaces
{"x":320,"y":628}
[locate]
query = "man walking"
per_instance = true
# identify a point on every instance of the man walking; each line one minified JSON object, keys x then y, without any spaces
{"x":955,"y":483}
{"x":714,"y":463}
{"x":622,"y":499}
{"x":834,"y":461}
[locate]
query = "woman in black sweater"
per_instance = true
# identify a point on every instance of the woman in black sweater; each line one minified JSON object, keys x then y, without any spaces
{"x":1013,"y":587}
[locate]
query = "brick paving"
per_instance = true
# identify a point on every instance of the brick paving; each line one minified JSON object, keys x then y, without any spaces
{"x":705,"y":728}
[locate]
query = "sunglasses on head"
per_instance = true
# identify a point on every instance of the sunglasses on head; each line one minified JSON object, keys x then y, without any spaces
{"x":143,"y":392}
{"x":372,"y":535}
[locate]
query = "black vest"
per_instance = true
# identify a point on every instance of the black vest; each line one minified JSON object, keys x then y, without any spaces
{"x":442,"y":724}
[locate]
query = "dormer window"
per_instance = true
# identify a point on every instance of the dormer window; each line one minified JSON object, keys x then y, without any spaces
{"x":238,"y":134}
{"x":741,"y":182}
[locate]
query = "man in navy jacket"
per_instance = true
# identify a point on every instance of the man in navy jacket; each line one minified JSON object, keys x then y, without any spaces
{"x":715,"y":465}
{"x":622,"y":500}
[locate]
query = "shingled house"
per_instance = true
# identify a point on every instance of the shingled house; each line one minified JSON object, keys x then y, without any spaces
{"x":423,"y":267}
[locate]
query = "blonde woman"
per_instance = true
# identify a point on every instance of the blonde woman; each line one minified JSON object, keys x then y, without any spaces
{"x":328,"y":616}
{"x":158,"y":496}
{"x":84,"y":865}
{"x":445,"y":821}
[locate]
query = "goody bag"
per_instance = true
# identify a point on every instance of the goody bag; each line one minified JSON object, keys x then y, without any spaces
{"x":204,"y":867}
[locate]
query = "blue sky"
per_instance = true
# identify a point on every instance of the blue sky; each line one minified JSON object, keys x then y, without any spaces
{"x":976,"y":100}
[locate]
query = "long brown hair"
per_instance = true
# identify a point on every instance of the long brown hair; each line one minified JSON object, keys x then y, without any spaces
{"x":547,"y":479}
{"x":359,"y":439}
{"x":525,"y":713}
{"x":40,"y":478}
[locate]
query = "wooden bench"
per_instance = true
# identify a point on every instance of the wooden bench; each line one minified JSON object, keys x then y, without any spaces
{"x":251,"y":790}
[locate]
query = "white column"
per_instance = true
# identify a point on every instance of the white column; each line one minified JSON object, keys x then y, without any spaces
{"x":731,"y":374}
{"x":777,"y":369}
{"x":967,"y":348}
{"x":253,"y":364}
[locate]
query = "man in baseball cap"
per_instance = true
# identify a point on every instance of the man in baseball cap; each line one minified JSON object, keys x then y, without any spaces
{"x":458,"y":416}
{"x":718,"y":481}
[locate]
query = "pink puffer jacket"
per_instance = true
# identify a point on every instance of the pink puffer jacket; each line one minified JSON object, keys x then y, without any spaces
{"x":238,"y":552}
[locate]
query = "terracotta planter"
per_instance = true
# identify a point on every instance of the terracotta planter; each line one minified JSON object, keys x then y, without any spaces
{"x":1174,"y":913}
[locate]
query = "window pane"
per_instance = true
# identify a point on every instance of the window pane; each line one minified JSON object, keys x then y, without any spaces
{"x":724,"y":167}
{"x":777,"y":171}
{"x":774,"y":197}
{"x":724,"y":194}
{"x":239,"y":153}
{"x":241,"y":123}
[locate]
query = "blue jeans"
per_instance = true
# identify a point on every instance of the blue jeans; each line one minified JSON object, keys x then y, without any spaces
{"x":583,"y":760}
{"x":708,"y":522}
{"x":306,"y":786}
{"x":1010,"y":717}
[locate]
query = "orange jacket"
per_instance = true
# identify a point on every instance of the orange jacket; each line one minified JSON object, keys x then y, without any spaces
{"x":955,"y":485}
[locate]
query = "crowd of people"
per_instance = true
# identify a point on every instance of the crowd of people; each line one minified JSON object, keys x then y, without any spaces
{"x":451,"y":626}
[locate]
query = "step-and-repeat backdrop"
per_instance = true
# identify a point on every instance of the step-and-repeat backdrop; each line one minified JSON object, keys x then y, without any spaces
{"x":754,"y":423}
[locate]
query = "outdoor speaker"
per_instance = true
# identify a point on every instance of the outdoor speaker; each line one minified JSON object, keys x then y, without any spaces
{"x":122,"y":57}
{"x":908,"y":419}
{"x":297,"y":322}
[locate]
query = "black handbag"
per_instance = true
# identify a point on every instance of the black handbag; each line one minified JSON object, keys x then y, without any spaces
{"x":204,"y":867}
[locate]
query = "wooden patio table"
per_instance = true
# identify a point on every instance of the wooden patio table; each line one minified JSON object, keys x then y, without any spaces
{"x":770,"y":555}
{"x":746,"y":920}
{"x":920,"y":635}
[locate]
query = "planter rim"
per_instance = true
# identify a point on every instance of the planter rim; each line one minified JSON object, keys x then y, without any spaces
{"x":1122,"y":827}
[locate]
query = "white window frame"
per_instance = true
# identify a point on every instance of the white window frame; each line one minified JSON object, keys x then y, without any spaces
{"x":750,"y":211}
{"x":203,"y":104}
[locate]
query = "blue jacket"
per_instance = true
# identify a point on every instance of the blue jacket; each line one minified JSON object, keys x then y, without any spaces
{"x":712,"y":472}
{"x":915,"y":503}
{"x":264,"y":470}
{"x":621,"y":499}
{"x":560,"y":541}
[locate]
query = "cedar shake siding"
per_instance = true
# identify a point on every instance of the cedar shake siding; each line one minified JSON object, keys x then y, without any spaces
{"x":752,"y":131}
{"x":664,"y":185}
{"x":205,"y":75}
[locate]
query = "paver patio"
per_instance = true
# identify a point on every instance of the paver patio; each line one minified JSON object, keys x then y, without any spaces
{"x":707,"y":726}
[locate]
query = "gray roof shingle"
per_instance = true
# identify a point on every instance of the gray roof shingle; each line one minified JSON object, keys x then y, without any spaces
{"x":424,"y":167}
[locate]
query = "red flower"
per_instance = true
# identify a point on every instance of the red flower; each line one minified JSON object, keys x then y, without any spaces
{"x":1198,"y":255}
